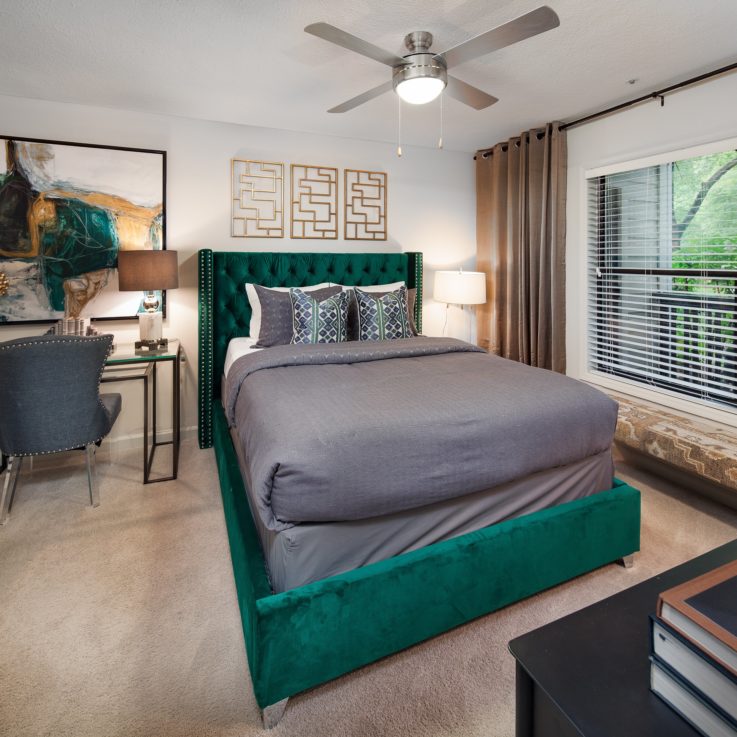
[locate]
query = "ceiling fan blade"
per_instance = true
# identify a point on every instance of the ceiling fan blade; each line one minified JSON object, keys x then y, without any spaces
{"x":353,"y":43}
{"x":344,"y":107}
{"x":469,"y":94}
{"x":530,"y":24}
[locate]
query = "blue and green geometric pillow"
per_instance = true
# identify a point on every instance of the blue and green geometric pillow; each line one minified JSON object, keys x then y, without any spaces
{"x":383,"y":317}
{"x":319,"y":322}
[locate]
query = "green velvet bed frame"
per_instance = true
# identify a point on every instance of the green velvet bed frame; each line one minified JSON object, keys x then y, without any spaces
{"x":304,"y":637}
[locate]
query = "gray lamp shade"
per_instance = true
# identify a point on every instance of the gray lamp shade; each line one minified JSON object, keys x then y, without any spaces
{"x":146,"y":271}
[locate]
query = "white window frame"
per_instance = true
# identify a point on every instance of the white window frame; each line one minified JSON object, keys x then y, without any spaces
{"x":580,"y":368}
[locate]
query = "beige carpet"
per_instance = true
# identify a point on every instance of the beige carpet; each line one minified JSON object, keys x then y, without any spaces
{"x":123,"y":620}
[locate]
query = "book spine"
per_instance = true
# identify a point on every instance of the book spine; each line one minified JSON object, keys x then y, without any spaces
{"x":694,"y":647}
{"x":695,"y":691}
{"x":721,"y":703}
{"x":724,"y":725}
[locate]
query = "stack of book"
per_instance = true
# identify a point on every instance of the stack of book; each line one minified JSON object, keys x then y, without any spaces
{"x":73,"y":326}
{"x":693,"y":651}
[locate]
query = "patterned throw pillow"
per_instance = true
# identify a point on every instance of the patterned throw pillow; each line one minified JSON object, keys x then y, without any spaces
{"x":353,"y":307}
{"x":276,"y":313}
{"x":319,"y":322}
{"x":383,"y":317}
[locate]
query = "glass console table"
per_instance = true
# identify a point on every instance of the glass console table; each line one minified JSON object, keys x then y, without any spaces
{"x":127,"y":364}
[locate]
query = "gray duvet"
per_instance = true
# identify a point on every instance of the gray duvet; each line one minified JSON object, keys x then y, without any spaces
{"x":354,"y":430}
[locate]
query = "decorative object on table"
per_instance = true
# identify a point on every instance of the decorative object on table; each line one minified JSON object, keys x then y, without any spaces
{"x":71,"y":326}
{"x":4,"y":284}
{"x":149,"y":272}
{"x":422,"y":75}
{"x":66,"y":209}
{"x":693,"y":650}
{"x":460,"y":288}
{"x":681,"y":672}
{"x":257,"y":193}
{"x":314,"y":202}
{"x":704,"y":610}
{"x":689,"y":703}
{"x":365,"y":205}
{"x":43,"y":415}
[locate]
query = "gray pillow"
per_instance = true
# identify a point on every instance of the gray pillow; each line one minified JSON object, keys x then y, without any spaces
{"x":276,"y":314}
{"x":353,"y":330}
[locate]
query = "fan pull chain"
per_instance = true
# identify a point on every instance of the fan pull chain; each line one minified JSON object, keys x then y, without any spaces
{"x":440,"y":140}
{"x":399,"y":126}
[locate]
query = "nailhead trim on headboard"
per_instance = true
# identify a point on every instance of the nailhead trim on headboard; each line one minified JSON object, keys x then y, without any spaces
{"x":224,"y":311}
{"x":205,"y":346}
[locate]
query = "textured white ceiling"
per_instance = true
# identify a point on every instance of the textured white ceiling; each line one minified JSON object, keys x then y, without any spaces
{"x":250,"y":62}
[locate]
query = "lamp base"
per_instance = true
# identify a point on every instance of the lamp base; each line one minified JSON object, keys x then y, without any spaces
{"x":149,"y":326}
{"x":152,"y":346}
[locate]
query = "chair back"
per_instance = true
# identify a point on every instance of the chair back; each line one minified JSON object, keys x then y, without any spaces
{"x":49,"y":393}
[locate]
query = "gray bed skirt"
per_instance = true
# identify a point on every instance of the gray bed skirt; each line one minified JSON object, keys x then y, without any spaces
{"x":312,"y":551}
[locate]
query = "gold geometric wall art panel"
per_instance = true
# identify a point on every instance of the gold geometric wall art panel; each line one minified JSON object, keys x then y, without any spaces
{"x":314,"y":202}
{"x":257,"y":190}
{"x":365,"y":205}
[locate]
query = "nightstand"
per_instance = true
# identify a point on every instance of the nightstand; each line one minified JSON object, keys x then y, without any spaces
{"x":125,"y":363}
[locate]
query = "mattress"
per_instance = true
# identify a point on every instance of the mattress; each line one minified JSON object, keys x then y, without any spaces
{"x":309,"y":552}
{"x":236,"y":348}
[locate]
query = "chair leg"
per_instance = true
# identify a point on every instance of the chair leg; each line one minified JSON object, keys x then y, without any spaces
{"x":11,"y":481}
{"x":92,"y":475}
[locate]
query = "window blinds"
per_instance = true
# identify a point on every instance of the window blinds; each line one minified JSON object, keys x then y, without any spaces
{"x":662,"y":309}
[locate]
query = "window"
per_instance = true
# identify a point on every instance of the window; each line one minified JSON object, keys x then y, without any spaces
{"x":662,"y":276}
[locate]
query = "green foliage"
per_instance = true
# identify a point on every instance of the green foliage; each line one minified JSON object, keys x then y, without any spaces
{"x":709,"y":241}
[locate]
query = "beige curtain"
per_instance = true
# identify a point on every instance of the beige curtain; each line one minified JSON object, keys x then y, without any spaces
{"x":520,"y":231}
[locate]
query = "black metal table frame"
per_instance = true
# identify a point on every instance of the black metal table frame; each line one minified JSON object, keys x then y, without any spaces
{"x":150,"y":362}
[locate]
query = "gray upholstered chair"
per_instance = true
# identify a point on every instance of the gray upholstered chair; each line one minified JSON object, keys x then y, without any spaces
{"x":50,"y":401}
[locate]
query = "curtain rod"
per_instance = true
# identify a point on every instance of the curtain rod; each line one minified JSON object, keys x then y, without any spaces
{"x":657,"y":95}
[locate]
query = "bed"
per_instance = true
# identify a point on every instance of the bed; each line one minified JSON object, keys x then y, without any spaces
{"x":301,"y":632}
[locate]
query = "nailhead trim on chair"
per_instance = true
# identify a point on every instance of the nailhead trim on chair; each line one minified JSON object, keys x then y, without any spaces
{"x":69,"y":339}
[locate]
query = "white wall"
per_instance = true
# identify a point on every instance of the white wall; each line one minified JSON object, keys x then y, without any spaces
{"x":431,"y":204}
{"x":691,"y":117}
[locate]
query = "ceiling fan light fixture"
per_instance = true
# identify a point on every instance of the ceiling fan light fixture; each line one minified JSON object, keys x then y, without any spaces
{"x":420,"y":90}
{"x":421,"y":79}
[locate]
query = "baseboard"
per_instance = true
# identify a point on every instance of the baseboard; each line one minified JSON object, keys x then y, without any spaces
{"x":135,"y":440}
{"x":679,"y":476}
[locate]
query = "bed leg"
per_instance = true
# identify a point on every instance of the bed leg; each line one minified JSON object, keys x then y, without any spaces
{"x":273,"y":713}
{"x":627,"y":560}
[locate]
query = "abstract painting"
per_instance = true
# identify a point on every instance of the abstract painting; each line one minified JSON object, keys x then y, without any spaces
{"x":257,"y":193}
{"x":66,"y":209}
{"x":365,"y":205}
{"x":314,"y":201}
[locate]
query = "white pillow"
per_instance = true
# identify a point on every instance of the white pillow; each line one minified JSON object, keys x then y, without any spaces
{"x":254,"y":327}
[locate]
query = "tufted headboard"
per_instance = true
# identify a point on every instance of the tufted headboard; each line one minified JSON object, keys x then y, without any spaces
{"x":224,"y":311}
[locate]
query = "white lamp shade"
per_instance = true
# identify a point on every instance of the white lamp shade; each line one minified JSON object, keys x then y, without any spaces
{"x":460,"y":287}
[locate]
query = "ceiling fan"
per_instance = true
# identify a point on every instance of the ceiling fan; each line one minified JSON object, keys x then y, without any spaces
{"x":421,"y":75}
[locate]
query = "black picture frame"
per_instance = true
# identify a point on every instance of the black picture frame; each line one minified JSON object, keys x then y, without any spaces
{"x":80,"y":198}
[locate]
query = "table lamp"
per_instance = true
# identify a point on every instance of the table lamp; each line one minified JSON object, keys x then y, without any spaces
{"x":460,"y":288}
{"x":148,"y":271}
